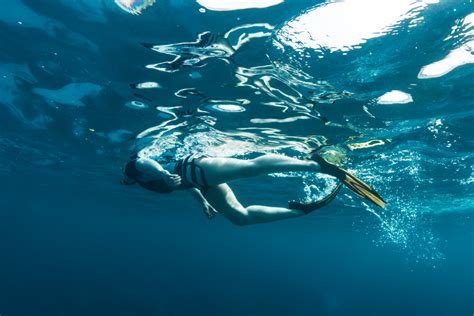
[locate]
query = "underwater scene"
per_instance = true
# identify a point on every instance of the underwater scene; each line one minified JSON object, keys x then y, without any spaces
{"x":382,"y":88}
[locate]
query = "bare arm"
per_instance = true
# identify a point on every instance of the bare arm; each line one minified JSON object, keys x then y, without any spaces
{"x":208,"y":209}
{"x":148,"y":166}
{"x":153,"y":171}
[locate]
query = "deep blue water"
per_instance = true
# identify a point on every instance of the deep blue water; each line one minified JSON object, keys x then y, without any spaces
{"x":282,"y":79}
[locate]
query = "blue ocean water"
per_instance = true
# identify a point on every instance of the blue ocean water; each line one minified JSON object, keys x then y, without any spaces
{"x":387,"y":84}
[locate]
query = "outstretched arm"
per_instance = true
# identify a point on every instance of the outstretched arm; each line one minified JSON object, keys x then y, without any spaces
{"x":208,"y":209}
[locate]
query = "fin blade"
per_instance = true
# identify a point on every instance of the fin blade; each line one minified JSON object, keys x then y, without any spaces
{"x":363,"y":190}
{"x":352,"y":182}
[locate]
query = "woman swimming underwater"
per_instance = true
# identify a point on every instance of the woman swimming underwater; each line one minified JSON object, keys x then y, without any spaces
{"x":207,"y":177}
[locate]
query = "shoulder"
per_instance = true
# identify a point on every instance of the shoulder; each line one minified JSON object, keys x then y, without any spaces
{"x":146,"y":166}
{"x":145,"y":162}
{"x":149,"y":169}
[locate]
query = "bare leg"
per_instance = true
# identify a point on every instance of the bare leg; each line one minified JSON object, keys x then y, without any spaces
{"x":224,"y":201}
{"x":222,"y":170}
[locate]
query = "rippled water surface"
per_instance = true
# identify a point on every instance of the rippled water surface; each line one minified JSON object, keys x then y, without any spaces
{"x":387,"y":85}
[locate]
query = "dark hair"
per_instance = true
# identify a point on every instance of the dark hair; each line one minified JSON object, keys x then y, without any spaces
{"x":131,"y":172}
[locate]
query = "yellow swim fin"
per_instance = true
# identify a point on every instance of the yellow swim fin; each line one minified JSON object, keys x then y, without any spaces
{"x":312,"y":206}
{"x":362,"y":189}
{"x":352,"y":182}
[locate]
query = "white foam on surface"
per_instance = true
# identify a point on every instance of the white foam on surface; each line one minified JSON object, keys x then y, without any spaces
{"x":285,"y":120}
{"x":460,"y":56}
{"x":148,"y":85}
{"x":456,"y":58}
{"x":346,"y":25}
{"x":230,"y":5}
{"x":395,"y":97}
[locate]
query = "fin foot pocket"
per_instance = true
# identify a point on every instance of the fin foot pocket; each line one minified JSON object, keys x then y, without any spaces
{"x":312,"y":206}
{"x":352,"y":182}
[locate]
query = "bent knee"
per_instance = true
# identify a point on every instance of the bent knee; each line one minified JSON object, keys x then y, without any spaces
{"x":241,"y":218}
{"x":249,"y":169}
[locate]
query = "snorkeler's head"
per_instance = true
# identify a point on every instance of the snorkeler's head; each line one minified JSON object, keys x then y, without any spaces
{"x":131,"y":177}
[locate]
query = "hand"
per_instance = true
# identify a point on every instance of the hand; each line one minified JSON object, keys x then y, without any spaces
{"x":172,"y":180}
{"x":209,"y":210}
